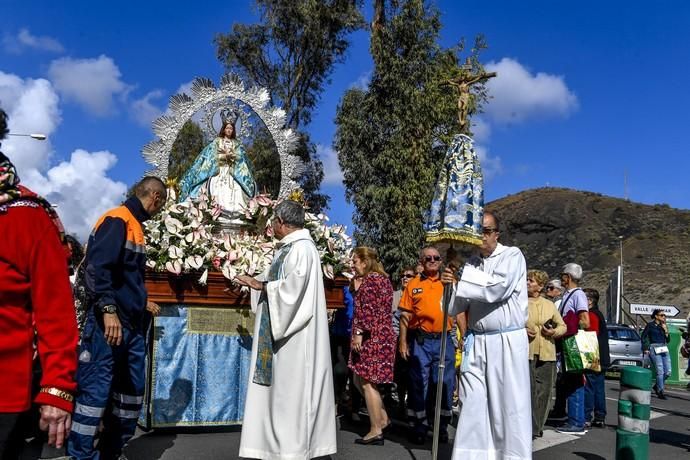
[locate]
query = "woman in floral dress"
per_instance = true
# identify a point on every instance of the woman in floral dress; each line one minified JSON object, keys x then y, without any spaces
{"x":372,"y":355}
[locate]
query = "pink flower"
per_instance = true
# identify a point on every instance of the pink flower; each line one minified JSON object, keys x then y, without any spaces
{"x":263,"y":200}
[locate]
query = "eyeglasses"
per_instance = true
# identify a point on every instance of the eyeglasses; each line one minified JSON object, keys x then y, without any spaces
{"x":489,"y":231}
{"x":432,"y":258}
{"x":407,"y":275}
{"x":661,"y":315}
{"x":548,"y":288}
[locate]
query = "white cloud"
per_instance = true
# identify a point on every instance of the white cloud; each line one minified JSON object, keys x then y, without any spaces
{"x":144,"y":111}
{"x":332,"y":175}
{"x":92,"y":83}
{"x":481,"y":129}
{"x":79,"y":187}
{"x":362,"y":82}
{"x":32,"y":107}
{"x":517,"y":94}
{"x":25,"y":39}
{"x":491,"y":165}
{"x":185,"y":88}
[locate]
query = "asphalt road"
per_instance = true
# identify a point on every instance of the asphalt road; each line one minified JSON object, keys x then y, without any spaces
{"x":669,"y":438}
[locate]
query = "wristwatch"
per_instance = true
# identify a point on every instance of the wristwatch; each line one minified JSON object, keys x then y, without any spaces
{"x":359,"y":333}
{"x":109,"y":309}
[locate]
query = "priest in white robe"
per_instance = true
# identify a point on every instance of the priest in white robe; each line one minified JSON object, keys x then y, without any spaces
{"x":289,"y":411}
{"x":496,"y":416}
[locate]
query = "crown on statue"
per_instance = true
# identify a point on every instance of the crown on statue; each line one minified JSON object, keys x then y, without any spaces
{"x":229,"y":116}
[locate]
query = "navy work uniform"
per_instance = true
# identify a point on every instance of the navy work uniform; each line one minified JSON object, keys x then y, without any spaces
{"x":111,"y":379}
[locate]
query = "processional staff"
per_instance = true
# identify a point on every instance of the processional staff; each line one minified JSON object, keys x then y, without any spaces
{"x":457,"y":209}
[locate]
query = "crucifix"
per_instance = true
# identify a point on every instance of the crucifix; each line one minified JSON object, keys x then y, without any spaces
{"x":463,"y":82}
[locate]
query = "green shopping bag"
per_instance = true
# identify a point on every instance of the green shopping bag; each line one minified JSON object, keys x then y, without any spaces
{"x":581,"y":352}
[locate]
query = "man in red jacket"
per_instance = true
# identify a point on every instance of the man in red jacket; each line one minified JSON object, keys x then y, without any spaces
{"x":35,"y":298}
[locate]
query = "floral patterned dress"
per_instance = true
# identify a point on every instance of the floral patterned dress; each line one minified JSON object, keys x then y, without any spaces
{"x":374,"y":316}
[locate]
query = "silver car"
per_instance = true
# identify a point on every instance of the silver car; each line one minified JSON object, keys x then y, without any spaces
{"x":625,"y":347}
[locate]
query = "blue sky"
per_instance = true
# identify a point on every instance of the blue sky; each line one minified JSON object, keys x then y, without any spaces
{"x":587,"y":94}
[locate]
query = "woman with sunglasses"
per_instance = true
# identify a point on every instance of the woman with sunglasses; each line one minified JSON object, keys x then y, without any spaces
{"x":655,"y":338}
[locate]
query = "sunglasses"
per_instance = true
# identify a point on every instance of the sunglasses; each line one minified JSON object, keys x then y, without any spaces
{"x":432,"y":258}
{"x":548,"y":288}
{"x":407,"y":275}
{"x":489,"y":231}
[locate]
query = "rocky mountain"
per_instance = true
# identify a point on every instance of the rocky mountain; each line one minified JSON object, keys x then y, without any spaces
{"x":554,"y":226}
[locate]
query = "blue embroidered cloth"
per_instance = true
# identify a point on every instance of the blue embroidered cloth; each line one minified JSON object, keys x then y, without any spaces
{"x":263,"y":371}
{"x":457,"y":208}
{"x":206,"y":166}
{"x":195,"y":379}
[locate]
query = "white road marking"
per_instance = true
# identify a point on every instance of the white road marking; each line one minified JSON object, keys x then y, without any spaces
{"x":552,"y":438}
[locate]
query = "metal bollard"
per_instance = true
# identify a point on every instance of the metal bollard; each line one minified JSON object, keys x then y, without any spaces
{"x":632,"y":435}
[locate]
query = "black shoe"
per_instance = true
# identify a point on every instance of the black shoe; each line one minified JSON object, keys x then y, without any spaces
{"x":375,"y":441}
{"x":655,"y":388}
{"x":661,"y":395}
{"x":598,"y":423}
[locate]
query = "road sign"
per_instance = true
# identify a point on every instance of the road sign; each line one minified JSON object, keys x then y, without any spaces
{"x":646,"y":309}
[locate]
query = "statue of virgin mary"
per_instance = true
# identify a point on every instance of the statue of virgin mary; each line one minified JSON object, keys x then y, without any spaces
{"x":222,"y":170}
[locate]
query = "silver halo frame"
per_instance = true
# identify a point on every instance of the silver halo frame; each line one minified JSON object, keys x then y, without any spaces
{"x":204,"y":93}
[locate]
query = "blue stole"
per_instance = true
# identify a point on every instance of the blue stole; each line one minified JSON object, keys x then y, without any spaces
{"x":205,"y":166}
{"x":263,"y":371}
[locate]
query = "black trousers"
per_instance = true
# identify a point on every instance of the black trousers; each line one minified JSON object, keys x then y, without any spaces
{"x":8,"y":448}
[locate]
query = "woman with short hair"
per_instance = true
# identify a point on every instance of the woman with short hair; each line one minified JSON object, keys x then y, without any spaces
{"x":544,"y":324}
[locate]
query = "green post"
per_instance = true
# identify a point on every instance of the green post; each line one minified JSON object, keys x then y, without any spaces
{"x":678,"y":363}
{"x":632,"y":435}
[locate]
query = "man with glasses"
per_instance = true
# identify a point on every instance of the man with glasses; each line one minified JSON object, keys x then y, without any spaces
{"x":575,"y":312}
{"x":419,"y":343}
{"x":496,"y":416}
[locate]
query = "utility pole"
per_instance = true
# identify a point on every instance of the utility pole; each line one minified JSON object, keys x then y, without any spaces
{"x":619,"y":301}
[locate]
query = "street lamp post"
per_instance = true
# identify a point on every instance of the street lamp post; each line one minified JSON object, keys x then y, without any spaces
{"x":620,"y":281}
{"x":38,"y":137}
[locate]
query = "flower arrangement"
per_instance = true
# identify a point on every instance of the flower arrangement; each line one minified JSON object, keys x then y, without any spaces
{"x":187,"y":237}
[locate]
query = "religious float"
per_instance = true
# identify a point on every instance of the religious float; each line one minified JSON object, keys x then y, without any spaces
{"x":216,"y":225}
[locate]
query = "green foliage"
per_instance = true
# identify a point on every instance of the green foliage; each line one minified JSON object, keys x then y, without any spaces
{"x":263,"y":155}
{"x":391,"y":139}
{"x":292,"y":53}
{"x":189,"y":143}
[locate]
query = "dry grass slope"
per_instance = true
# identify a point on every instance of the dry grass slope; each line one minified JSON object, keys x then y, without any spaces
{"x":554,"y":226}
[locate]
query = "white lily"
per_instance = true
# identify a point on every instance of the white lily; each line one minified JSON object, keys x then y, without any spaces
{"x":195,"y":261}
{"x":174,"y":267}
{"x":175,"y":253}
{"x":204,"y":277}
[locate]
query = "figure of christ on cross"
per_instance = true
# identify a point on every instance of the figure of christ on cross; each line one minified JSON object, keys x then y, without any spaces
{"x":463,"y":82}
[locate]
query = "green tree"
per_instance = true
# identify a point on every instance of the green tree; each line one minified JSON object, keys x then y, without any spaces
{"x":190,"y":141}
{"x":292,"y":53}
{"x":262,"y":154}
{"x":391,"y":138}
